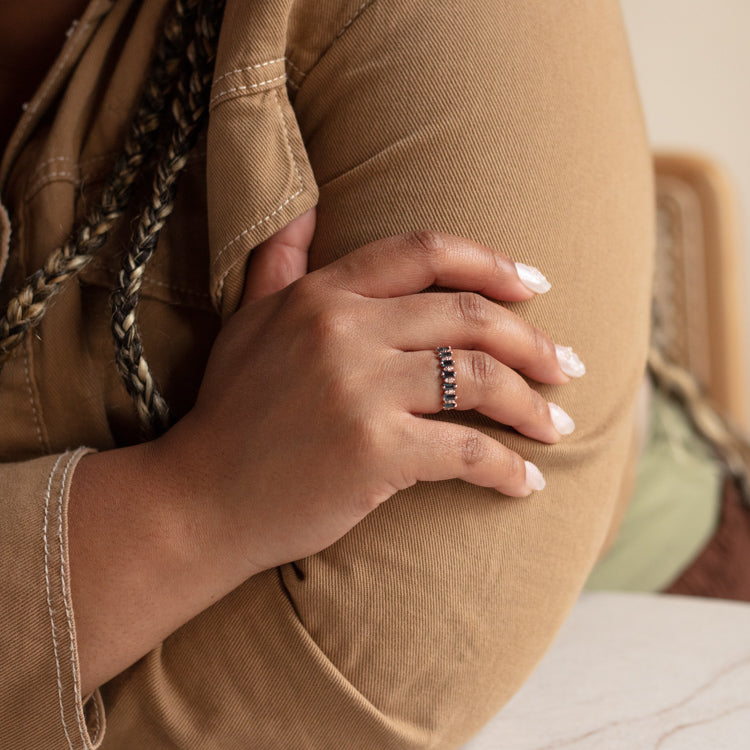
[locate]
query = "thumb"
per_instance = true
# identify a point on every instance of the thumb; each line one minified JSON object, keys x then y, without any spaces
{"x":281,"y":259}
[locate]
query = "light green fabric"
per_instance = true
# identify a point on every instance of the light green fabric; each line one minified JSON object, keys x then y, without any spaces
{"x":674,"y":511}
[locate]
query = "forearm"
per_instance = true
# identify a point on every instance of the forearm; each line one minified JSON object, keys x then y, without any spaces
{"x":144,"y":556}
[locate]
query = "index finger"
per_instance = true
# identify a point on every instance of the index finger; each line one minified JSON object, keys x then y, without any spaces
{"x":410,"y":263}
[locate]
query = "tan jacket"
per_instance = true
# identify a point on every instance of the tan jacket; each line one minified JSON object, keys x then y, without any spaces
{"x":516,"y":124}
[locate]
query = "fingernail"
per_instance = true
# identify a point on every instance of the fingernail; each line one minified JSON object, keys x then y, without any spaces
{"x":534,"y":478}
{"x":570,"y":364}
{"x":561,"y":419}
{"x":532,"y":278}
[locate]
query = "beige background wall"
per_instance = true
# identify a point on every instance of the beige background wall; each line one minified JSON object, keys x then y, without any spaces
{"x":692,"y":58}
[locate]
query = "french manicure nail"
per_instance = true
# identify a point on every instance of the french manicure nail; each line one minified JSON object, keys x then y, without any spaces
{"x":561,"y":419}
{"x":570,"y":364}
{"x":534,"y":478}
{"x":532,"y":278}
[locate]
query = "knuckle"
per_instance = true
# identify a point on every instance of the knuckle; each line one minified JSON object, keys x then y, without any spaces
{"x":541,"y":345}
{"x":502,"y":265}
{"x":471,"y":309}
{"x":473,"y":449}
{"x":426,"y":241}
{"x":302,"y":293}
{"x":515,"y":468}
{"x":482,"y":370}
{"x":538,"y":408}
{"x":330,"y":324}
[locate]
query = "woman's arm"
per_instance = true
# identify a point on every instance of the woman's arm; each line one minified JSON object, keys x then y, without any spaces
{"x":160,"y":531}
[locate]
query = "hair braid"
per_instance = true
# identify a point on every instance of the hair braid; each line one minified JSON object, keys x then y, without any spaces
{"x":727,"y":441}
{"x":189,"y":109}
{"x":26,"y":309}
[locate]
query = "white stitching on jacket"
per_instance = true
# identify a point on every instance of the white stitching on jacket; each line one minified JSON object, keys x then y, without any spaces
{"x":245,"y":232}
{"x":288,"y":142}
{"x":49,"y":595}
{"x":96,"y":719}
{"x":249,"y":67}
{"x":296,"y":68}
{"x":68,"y":615}
{"x":45,"y":179}
{"x":226,"y":92}
{"x":356,"y":15}
{"x":302,"y":74}
{"x":79,"y":165}
{"x":254,"y":226}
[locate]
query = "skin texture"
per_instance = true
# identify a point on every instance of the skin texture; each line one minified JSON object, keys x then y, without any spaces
{"x":338,"y":362}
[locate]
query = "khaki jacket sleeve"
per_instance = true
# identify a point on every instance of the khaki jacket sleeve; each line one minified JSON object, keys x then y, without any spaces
{"x":41,"y":705}
{"x":258,"y":175}
{"x":517,"y":124}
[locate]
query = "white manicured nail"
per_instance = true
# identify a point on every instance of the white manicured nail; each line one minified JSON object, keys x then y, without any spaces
{"x":534,"y":478}
{"x":532,"y":278}
{"x":570,"y":364}
{"x":561,"y":419}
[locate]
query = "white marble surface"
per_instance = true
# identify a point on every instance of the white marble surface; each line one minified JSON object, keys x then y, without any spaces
{"x":635,"y":672}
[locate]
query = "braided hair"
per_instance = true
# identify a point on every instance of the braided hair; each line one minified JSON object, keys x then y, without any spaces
{"x":171,"y":112}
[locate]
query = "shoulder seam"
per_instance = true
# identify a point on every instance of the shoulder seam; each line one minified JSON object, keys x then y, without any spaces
{"x":362,"y":8}
{"x":302,"y":74}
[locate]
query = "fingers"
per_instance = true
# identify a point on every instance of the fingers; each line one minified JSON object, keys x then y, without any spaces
{"x":470,"y":321}
{"x":395,"y":269}
{"x":447,"y":451}
{"x":409,"y":263}
{"x":484,"y":384}
{"x":281,"y":259}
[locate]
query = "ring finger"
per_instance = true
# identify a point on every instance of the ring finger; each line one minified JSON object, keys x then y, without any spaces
{"x":472,"y":322}
{"x":481,"y":383}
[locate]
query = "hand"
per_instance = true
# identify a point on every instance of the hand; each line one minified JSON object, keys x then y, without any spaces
{"x":309,"y":415}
